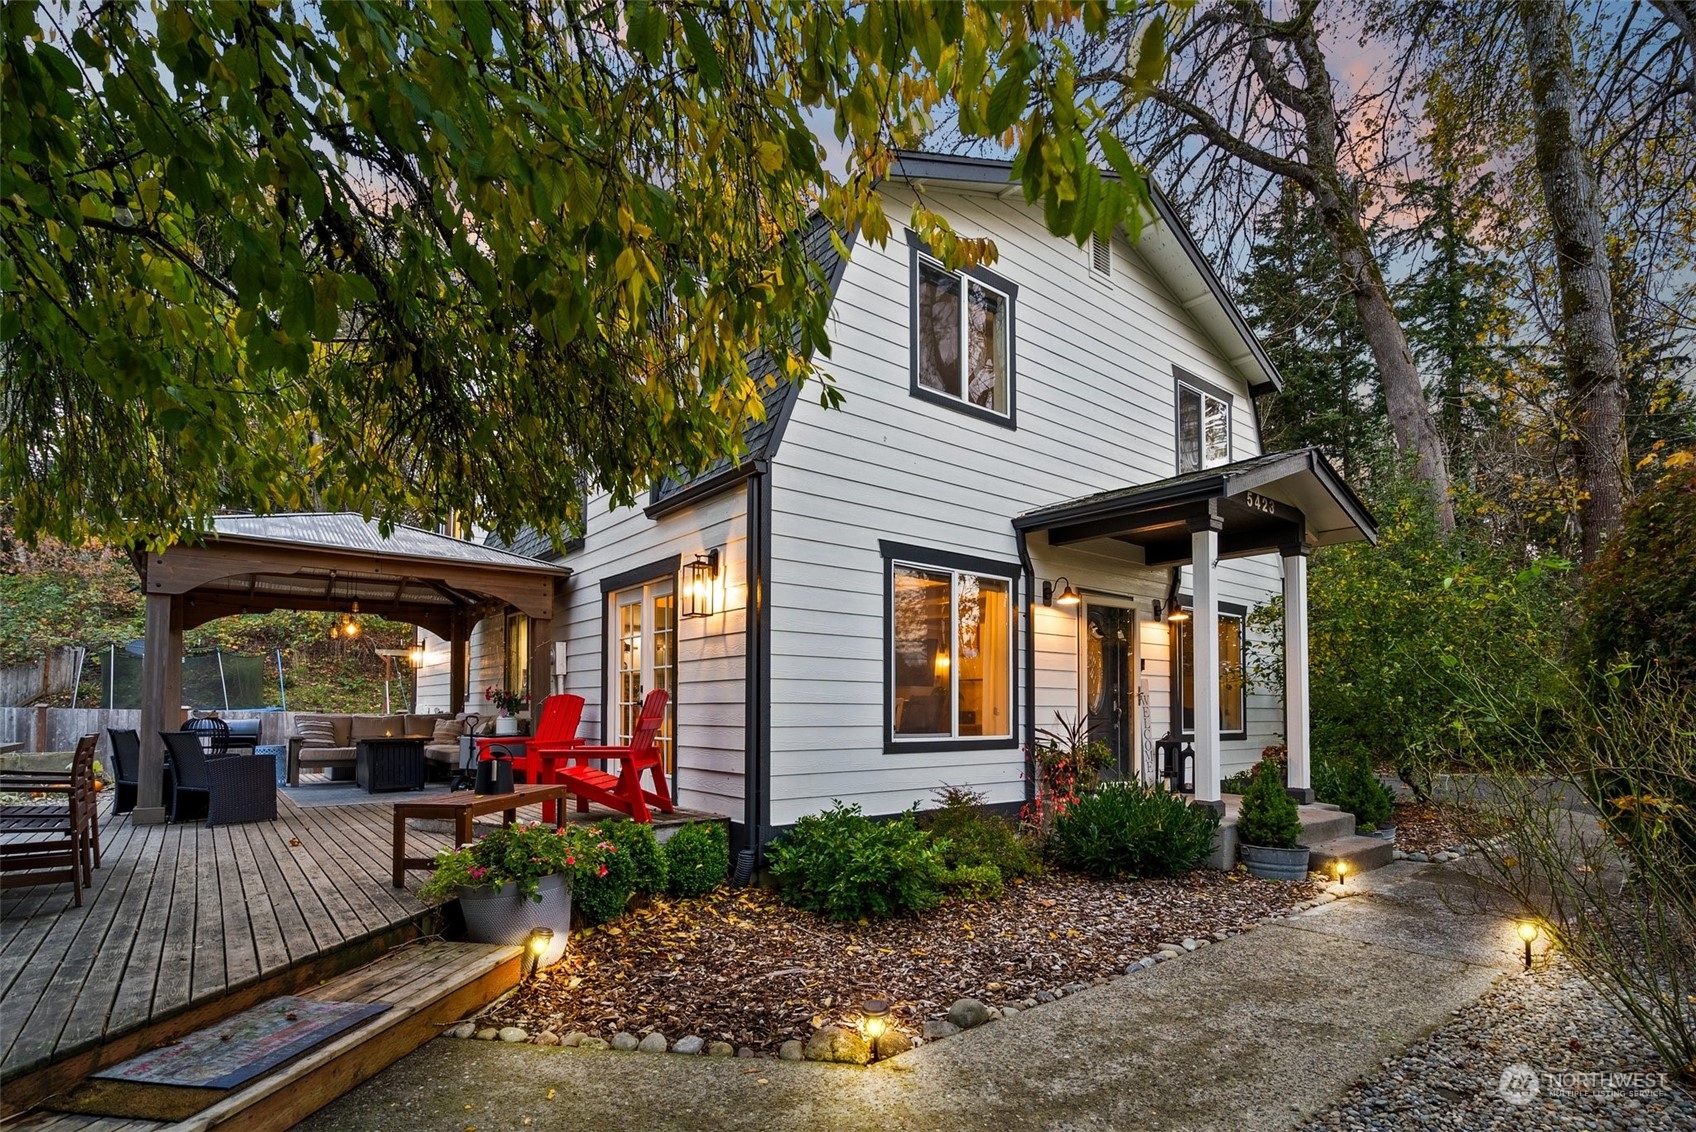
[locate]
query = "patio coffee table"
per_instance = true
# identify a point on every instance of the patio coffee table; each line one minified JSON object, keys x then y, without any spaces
{"x":461,"y":809}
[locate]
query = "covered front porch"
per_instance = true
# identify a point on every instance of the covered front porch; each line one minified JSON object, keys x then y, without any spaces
{"x":1172,"y":536}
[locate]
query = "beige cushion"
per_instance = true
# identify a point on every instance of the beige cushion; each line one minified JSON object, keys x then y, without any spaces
{"x":421,"y":725}
{"x":377,"y":726}
{"x":447,"y":731}
{"x":315,"y":731}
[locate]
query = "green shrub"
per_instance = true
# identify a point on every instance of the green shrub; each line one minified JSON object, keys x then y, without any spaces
{"x":976,"y":838}
{"x":1639,"y":597}
{"x":633,"y":864}
{"x":1356,"y":789}
{"x":647,"y":863}
{"x":697,"y":859}
{"x":974,"y":882}
{"x":1129,"y":828}
{"x":1268,"y":817}
{"x":844,"y":865}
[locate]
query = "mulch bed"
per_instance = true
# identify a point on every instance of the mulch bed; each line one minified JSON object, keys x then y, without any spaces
{"x":740,"y":966}
{"x":1429,"y":827}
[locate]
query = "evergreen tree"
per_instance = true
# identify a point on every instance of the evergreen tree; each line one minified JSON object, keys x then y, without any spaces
{"x":1293,"y":297}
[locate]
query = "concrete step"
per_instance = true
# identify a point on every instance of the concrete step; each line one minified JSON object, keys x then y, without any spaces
{"x":1361,"y":854}
{"x":1319,"y":822}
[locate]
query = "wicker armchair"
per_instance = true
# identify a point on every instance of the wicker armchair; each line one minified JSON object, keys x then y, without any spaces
{"x":234,"y":788}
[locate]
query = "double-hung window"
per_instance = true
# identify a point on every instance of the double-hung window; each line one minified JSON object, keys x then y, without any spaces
{"x":1204,"y":424}
{"x":962,"y":337}
{"x":950,"y":663}
{"x":1233,"y":685}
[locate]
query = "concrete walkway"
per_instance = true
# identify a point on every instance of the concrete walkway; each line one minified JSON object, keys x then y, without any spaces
{"x":1257,"y":1032}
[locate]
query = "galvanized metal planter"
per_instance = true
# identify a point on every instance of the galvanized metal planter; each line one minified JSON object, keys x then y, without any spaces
{"x":506,"y":917}
{"x":1275,"y":864}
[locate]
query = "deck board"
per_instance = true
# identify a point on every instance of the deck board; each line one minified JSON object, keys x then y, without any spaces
{"x":181,"y":914}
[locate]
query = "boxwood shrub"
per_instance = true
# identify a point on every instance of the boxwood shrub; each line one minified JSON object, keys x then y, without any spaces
{"x":697,"y":859}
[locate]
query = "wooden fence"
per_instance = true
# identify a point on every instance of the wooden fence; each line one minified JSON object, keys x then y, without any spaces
{"x":58,"y":729}
{"x":55,"y":672}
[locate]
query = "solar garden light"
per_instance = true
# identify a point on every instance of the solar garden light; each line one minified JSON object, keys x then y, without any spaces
{"x":540,"y":940}
{"x":1342,"y":870}
{"x":1527,"y":932}
{"x":874,"y":1021}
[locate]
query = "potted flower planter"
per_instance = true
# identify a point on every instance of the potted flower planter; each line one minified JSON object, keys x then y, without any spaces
{"x":506,"y":725}
{"x":505,"y":917}
{"x":519,"y":878}
{"x":1275,"y":864}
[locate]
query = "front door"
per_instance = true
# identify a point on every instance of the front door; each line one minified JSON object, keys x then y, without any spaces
{"x":1109,"y":631}
{"x":642,"y":656}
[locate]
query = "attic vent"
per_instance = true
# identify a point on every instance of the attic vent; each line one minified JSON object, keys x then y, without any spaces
{"x":1101,"y":256}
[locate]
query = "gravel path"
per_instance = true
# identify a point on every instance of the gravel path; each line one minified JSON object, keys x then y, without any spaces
{"x":1591,"y":1069}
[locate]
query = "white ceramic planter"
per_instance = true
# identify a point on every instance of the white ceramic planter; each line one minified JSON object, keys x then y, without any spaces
{"x":506,"y":725}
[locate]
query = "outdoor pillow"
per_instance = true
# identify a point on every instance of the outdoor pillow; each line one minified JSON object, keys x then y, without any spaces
{"x":316,"y":732}
{"x":447,"y":730}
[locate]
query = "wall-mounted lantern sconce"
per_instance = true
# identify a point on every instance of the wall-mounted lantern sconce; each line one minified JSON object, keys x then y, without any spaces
{"x":698,"y":579}
{"x":1067,"y":595}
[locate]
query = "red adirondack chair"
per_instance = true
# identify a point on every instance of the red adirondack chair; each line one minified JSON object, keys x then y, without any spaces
{"x":556,"y":734}
{"x":623,"y":791}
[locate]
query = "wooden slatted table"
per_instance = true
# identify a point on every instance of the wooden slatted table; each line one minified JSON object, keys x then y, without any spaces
{"x":461,"y":808}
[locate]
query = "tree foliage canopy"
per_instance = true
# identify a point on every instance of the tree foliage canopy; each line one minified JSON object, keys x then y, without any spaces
{"x":482,"y":256}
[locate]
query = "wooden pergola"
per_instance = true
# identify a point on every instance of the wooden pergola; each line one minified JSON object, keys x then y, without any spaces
{"x":332,"y":562}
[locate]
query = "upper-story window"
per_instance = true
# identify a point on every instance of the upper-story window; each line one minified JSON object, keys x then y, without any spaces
{"x":1204,"y":424}
{"x":962,"y":337}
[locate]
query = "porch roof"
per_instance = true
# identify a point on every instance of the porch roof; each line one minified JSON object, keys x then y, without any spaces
{"x":1281,"y":501}
{"x":257,"y":563}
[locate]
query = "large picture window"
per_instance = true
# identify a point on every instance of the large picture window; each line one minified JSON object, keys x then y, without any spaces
{"x":1233,"y":687}
{"x":962,"y":338}
{"x":1204,"y":425}
{"x":951,"y":655}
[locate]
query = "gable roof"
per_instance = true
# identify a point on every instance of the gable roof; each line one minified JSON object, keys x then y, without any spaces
{"x":762,"y":436}
{"x":1165,"y":242}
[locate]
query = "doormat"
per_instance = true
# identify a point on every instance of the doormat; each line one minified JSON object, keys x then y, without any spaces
{"x":178,"y":1080}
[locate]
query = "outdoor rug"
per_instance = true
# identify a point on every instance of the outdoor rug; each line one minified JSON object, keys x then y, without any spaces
{"x":178,"y":1080}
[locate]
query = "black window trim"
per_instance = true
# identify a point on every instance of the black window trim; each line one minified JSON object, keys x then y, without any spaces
{"x":1226,"y":609}
{"x":918,"y":251}
{"x":1180,"y":378}
{"x":921,"y":556}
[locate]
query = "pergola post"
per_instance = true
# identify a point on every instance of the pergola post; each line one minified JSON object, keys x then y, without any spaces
{"x":459,"y":658}
{"x":1296,"y":741}
{"x":1204,"y":631}
{"x":541,"y":662}
{"x":161,"y":700}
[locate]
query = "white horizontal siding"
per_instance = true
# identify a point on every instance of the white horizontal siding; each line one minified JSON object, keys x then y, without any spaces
{"x":1094,"y":402}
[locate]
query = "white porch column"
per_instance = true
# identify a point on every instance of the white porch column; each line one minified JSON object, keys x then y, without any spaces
{"x":1300,"y":779}
{"x":1204,"y":629}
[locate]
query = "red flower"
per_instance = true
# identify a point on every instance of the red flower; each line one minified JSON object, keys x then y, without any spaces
{"x":603,"y":871}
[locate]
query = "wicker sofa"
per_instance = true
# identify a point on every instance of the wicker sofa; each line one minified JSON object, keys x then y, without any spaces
{"x":344,"y":733}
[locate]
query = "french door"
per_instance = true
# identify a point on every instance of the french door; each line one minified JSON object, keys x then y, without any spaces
{"x":642,"y":656}
{"x":1109,"y":650}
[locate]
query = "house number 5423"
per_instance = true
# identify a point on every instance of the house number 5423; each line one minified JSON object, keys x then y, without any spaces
{"x":1259,"y":503}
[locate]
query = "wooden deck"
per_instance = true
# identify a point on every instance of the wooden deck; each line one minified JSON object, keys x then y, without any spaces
{"x":184,"y":915}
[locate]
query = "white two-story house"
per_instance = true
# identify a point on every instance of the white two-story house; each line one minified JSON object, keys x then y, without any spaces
{"x":1044,"y":493}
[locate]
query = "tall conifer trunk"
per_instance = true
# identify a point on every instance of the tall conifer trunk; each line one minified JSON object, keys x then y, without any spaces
{"x":1589,"y":346}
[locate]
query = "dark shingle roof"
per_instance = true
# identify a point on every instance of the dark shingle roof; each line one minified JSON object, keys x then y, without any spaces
{"x":764,"y":436}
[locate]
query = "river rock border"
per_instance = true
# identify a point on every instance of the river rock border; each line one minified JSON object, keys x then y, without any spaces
{"x":846,"y":1045}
